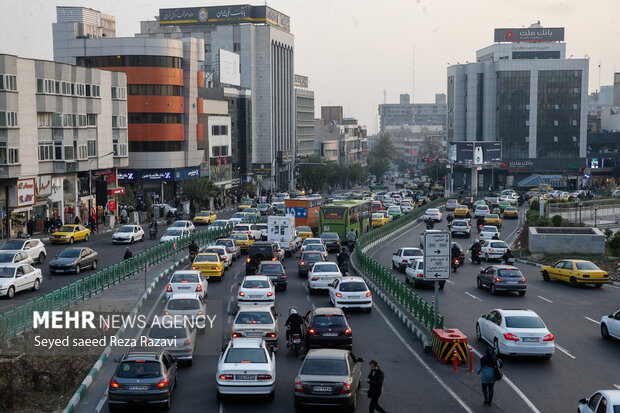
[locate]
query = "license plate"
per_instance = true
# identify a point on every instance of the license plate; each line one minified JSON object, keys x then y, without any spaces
{"x":138,"y":387}
{"x":354,"y":297}
{"x":530,"y":339}
{"x":255,"y":296}
{"x":322,"y":389}
{"x":185,"y":288}
{"x":253,"y":334}
{"x":330,"y":334}
{"x":245,"y":377}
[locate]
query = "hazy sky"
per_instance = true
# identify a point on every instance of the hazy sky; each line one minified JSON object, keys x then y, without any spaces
{"x":354,"y":49}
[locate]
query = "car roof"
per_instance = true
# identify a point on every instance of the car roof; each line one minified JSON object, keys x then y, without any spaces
{"x":327,"y":310}
{"x":255,"y":308}
{"x":220,"y":247}
{"x":186,"y":272}
{"x":11,"y":264}
{"x":505,"y":267}
{"x":184,"y":296}
{"x":246,"y":342}
{"x":516,"y":311}
{"x":259,"y":243}
{"x":326,"y":353}
{"x":352,"y":279}
{"x":255,"y":278}
{"x":271,"y":262}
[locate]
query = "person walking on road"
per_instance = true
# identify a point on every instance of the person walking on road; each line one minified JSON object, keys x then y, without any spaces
{"x":487,"y":368}
{"x":375,"y":381}
{"x":128,"y":254}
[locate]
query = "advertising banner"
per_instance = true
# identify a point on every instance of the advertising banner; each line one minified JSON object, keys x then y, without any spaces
{"x":540,"y":34}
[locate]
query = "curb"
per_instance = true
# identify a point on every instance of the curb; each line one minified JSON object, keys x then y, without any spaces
{"x":75,"y":399}
{"x":533,"y":264}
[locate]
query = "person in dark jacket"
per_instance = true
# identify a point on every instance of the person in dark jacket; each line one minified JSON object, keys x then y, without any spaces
{"x":375,"y":381}
{"x":128,"y":254}
{"x":487,"y":368}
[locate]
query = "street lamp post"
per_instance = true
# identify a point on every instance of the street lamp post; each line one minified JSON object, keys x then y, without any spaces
{"x":90,"y":184}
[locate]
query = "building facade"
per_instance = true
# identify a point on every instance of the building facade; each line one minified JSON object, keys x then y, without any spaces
{"x":396,"y":114}
{"x":304,"y":118}
{"x":62,"y":136}
{"x":431,"y":114}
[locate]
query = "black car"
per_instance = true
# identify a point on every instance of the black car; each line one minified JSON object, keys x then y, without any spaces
{"x":260,"y":251}
{"x":307,"y":260}
{"x":143,"y":376}
{"x":331,"y":241}
{"x":74,"y":260}
{"x":275,"y":271}
{"x":328,"y":327}
{"x":502,"y":278}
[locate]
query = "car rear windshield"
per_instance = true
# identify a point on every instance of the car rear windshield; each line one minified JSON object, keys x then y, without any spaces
{"x":239,"y":237}
{"x":167,"y":332}
{"x":325,"y":367}
{"x":315,"y":247}
{"x":246,"y":355}
{"x":510,"y":273}
{"x":352,"y":286}
{"x":524,"y":322}
{"x":218,"y":224}
{"x":12,"y":245}
{"x":413,"y":253}
{"x":240,"y":228}
{"x":261,"y":249}
{"x":226,"y":243}
{"x":304,"y":229}
{"x":183,"y":304}
{"x":330,"y":235}
{"x":238,"y":215}
{"x":328,"y":267}
{"x":459,"y":224}
{"x":499,"y":245}
{"x":65,"y":228}
{"x":254,"y":317}
{"x":70,"y":253}
{"x":138,"y":369}
{"x":206,"y":258}
{"x":329,"y":321}
{"x":586,"y":266}
{"x":271,"y":268}
{"x":313,"y":256}
{"x":184,"y":278}
{"x":256,"y":284}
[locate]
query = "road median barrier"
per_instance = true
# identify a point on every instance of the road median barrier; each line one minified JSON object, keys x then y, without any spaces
{"x":449,"y":344}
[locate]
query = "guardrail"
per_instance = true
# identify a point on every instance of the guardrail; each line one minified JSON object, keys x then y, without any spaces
{"x":399,"y":291}
{"x":19,"y":319}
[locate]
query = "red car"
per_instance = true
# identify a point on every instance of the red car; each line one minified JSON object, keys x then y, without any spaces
{"x":376,"y":206}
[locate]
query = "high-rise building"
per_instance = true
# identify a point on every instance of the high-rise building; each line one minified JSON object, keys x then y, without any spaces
{"x":261,"y":37}
{"x":431,"y":114}
{"x":525,"y":93}
{"x":396,"y":114}
{"x":304,"y":118}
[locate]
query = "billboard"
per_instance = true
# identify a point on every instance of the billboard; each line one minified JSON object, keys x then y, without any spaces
{"x":232,"y":14}
{"x":229,"y":68}
{"x":301,"y":81}
{"x":552,"y":34}
{"x":477,"y":153}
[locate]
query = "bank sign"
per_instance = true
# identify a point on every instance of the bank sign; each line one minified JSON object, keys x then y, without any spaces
{"x":552,"y":34}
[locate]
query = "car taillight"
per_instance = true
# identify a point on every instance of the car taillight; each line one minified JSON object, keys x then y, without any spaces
{"x":290,"y":245}
{"x":405,"y":261}
{"x":269,"y":294}
{"x":298,"y":387}
{"x":264,"y":377}
{"x":497,"y":279}
{"x":194,"y":267}
{"x":347,"y":332}
{"x":226,"y":376}
{"x":523,"y":280}
{"x":315,"y":278}
{"x":511,"y":337}
{"x":235,"y":335}
{"x":338,"y":295}
{"x":166,"y":312}
{"x":241,"y":294}
{"x":169,"y":288}
{"x":113,"y":384}
{"x":283,"y":275}
{"x":199,"y":288}
{"x":259,"y":274}
{"x":491,"y":249}
{"x":420,"y":275}
{"x":368,"y":294}
{"x":187,"y":342}
{"x":270,"y":335}
{"x":346,"y":387}
{"x":248,"y":260}
{"x":200,"y":313}
{"x":548,"y":337}
{"x":273,"y":259}
{"x":163,"y":383}
{"x":302,"y":263}
{"x":311,"y":331}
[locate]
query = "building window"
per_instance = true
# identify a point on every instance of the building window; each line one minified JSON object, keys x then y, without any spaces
{"x":45,"y":150}
{"x":69,"y":153}
{"x":555,"y":122}
{"x":58,"y":151}
{"x":236,"y":47}
{"x":155,"y":90}
{"x":207,"y":47}
{"x":219,"y":151}
{"x":69,"y":120}
{"x":91,"y":119}
{"x":119,"y":93}
{"x":82,"y":120}
{"x":40,"y":87}
{"x":218,"y":130}
{"x":166,"y":118}
{"x":13,"y":156}
{"x":119,"y":121}
{"x":8,"y":82}
{"x":555,"y":139}
{"x":57,"y":120}
{"x":82,"y":152}
{"x":96,"y":91}
{"x":80,"y":89}
{"x":92,"y":148}
{"x":8,"y":119}
{"x":120,"y":149}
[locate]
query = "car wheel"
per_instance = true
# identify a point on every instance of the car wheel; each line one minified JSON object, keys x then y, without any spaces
{"x":71,"y":240}
{"x":493,"y":289}
{"x":604,"y":331}
{"x":545,"y":276}
{"x":353,"y":404}
{"x":41,"y":258}
{"x":94,"y":266}
{"x":11,"y":293}
{"x":573,"y":282}
{"x":598,"y":285}
{"x":496,"y":347}
{"x":87,"y":237}
{"x":36,"y":285}
{"x":478,"y":333}
{"x":131,"y":240}
{"x":521,"y":293}
{"x":401,"y":268}
{"x":441,"y":285}
{"x":78,"y":269}
{"x":479,"y":283}
{"x":407,"y":279}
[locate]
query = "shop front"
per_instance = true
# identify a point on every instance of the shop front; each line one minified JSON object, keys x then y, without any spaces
{"x":160,"y":184}
{"x":22,"y":199}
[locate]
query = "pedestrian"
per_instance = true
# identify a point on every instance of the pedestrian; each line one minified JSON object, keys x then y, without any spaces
{"x":30,"y":227}
{"x":47,"y":225}
{"x":375,"y":381}
{"x":487,"y":368}
{"x":77,"y":220}
{"x":128,"y":254}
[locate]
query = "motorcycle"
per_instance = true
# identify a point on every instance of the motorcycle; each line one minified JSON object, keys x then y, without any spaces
{"x":192,"y":256}
{"x":169,"y":220}
{"x":153,"y":233}
{"x":455,"y":264}
{"x":351,"y":245}
{"x":294,"y":343}
{"x":343,"y":267}
{"x":430,"y":225}
{"x":476,"y":257}
{"x":480,"y":228}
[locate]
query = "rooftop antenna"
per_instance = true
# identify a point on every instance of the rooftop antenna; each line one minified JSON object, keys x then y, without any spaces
{"x":413,"y":75}
{"x":599,"y":75}
{"x":384,"y":96}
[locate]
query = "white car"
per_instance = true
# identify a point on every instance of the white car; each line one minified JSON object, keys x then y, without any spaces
{"x":251,"y":229}
{"x":488,"y":232}
{"x":493,"y":249}
{"x":33,"y":247}
{"x":238,"y":217}
{"x":257,"y":321}
{"x":264,"y":231}
{"x":19,"y":277}
{"x":322,"y":275}
{"x":512,"y":199}
{"x":350,"y":292}
{"x":247,"y":366}
{"x":279,"y":250}
{"x":15,"y":258}
{"x":433,"y":213}
{"x":230,"y":245}
{"x":414,"y":274}
{"x":610,"y":325}
{"x":481,"y":211}
{"x":188,"y":225}
{"x":309,"y":241}
{"x":460,"y":227}
{"x":402,"y":258}
{"x":603,"y":401}
{"x":172,"y":234}
{"x":187,"y":281}
{"x":406,"y":207}
{"x":219,"y":223}
{"x":515,"y":332}
{"x":187,"y":305}
{"x":256,"y":289}
{"x":129,"y":234}
{"x":223,"y":252}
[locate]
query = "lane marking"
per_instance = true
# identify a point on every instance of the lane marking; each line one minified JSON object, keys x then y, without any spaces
{"x":426,"y":366}
{"x":594,"y":321}
{"x":450,"y":281}
{"x":613,"y":286}
{"x":616,"y":386}
{"x":101,"y":402}
{"x":514,"y":387}
{"x":473,"y":296}
{"x":221,"y":407}
{"x":546,"y":299}
{"x":563,"y":350}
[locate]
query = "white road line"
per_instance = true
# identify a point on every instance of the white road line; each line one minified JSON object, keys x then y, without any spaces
{"x":426,"y":366}
{"x":101,"y":402}
{"x":450,"y":281}
{"x":514,"y":387}
{"x":545,"y":299}
{"x":221,"y":407}
{"x":617,"y":386}
{"x":563,"y":350}
{"x":594,"y":321}
{"x":473,"y":296}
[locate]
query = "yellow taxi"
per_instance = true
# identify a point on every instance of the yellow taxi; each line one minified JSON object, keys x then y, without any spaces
{"x":304,"y":232}
{"x":209,"y":264}
{"x":461,"y":211}
{"x":493,"y":219}
{"x":564,"y":196}
{"x":511,"y":212}
{"x":575,"y":272}
{"x":205,"y":218}
{"x":243,"y":241}
{"x":379,"y":220}
{"x":246,"y":203}
{"x":422,"y":200}
{"x":67,"y":234}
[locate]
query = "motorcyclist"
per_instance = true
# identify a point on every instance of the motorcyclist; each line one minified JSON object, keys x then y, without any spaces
{"x":153,"y":225}
{"x":507,"y":256}
{"x":352,"y":238}
{"x":294,"y":323}
{"x":475,"y":248}
{"x":449,"y":218}
{"x":430,"y":223}
{"x":456,"y":251}
{"x":495,"y":236}
{"x":193,"y":247}
{"x":128,"y":254}
{"x":480,"y":223}
{"x":343,"y":257}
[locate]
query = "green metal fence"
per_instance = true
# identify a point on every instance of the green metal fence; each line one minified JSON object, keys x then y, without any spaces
{"x":399,"y":291}
{"x":19,"y":319}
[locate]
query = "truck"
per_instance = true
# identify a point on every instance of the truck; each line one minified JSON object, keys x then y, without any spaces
{"x":305,"y":211}
{"x":282,"y":229}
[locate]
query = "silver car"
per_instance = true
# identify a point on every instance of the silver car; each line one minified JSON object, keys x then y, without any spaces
{"x":192,"y":306}
{"x":256,"y":321}
{"x":178,"y":339}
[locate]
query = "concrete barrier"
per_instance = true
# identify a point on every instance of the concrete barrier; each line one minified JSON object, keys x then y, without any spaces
{"x":552,"y":240}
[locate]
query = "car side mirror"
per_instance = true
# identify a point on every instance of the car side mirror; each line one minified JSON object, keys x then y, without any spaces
{"x":206,"y":277}
{"x":359,"y":359}
{"x":278,"y":315}
{"x":239,"y":284}
{"x":483,"y":316}
{"x":583,"y":401}
{"x":348,"y":316}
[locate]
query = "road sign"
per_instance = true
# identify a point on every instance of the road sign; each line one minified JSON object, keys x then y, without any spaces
{"x":437,"y":255}
{"x":298,"y":212}
{"x":175,"y":245}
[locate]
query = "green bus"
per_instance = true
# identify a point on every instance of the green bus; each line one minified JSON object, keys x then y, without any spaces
{"x":343,"y":216}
